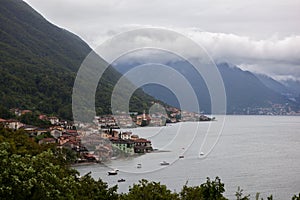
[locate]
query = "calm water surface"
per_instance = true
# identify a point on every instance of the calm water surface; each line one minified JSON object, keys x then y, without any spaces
{"x":258,"y":153}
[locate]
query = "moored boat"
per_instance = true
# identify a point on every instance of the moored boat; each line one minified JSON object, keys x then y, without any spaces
{"x":121,"y":180}
{"x":164,"y":163}
{"x":113,"y":172}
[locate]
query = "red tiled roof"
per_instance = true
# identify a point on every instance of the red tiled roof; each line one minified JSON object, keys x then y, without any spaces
{"x":11,"y":120}
{"x":142,"y":140}
{"x":71,"y":131}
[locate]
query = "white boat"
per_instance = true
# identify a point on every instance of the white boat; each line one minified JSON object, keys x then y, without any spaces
{"x":113,"y":172}
{"x":164,"y":163}
{"x":139,"y":165}
{"x":201,"y":153}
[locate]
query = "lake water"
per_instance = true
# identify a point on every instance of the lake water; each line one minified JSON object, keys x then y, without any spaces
{"x":258,"y":153}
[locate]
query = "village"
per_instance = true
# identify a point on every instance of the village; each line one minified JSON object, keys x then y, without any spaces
{"x":101,"y":140}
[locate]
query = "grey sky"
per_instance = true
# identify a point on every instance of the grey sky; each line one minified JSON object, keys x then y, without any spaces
{"x":258,"y":35}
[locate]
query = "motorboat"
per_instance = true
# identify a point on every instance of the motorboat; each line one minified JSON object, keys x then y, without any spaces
{"x":164,"y":163}
{"x":121,"y":180}
{"x":201,"y":153}
{"x":181,"y":156}
{"x":113,"y":172}
{"x":139,"y":165}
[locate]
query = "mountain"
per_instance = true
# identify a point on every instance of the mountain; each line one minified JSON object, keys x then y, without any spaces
{"x":293,"y":86}
{"x":39,"y":61}
{"x":243,"y":89}
{"x":274,"y":85}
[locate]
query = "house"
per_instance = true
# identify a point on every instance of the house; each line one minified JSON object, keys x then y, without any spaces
{"x":40,"y":131}
{"x":143,"y":120}
{"x":23,"y":112}
{"x":43,"y":117}
{"x":13,"y":124}
{"x":29,"y":128}
{"x":16,"y":111}
{"x":56,"y":133}
{"x":124,"y":120}
{"x":71,"y":132}
{"x":53,"y":120}
{"x":105,"y":135}
{"x":126,"y":146}
{"x":57,"y":128}
{"x":2,"y":121}
{"x":142,"y":145}
{"x":134,"y":137}
{"x":158,"y":121}
{"x":107,"y":121}
{"x":112,"y":132}
{"x":126,"y":135}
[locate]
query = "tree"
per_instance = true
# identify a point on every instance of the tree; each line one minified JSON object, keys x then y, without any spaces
{"x":34,"y":177}
{"x":5,"y":113}
{"x":296,"y":197}
{"x":145,"y":190}
{"x":19,"y":142}
{"x":239,"y":195}
{"x":89,"y":188}
{"x":31,"y":171}
{"x":33,"y":119}
{"x":211,"y":190}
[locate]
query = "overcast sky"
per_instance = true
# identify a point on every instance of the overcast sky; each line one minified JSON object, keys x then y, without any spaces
{"x":258,"y":35}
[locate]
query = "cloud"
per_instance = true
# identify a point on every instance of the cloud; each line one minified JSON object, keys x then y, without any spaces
{"x":221,"y":45}
{"x":256,"y":35}
{"x":254,"y":18}
{"x":274,"y":56}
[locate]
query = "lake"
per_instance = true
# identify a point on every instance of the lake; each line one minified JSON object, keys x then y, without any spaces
{"x":258,"y":153}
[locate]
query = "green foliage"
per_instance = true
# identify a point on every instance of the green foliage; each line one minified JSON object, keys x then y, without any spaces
{"x":268,"y":198}
{"x":195,"y":193}
{"x":91,"y":189}
{"x":33,"y":119}
{"x":295,"y":197}
{"x":145,"y":190}
{"x":239,"y":195}
{"x":19,"y":142}
{"x":33,"y":177}
{"x":27,"y":171}
{"x":39,"y":61}
{"x":211,"y":190}
{"x":5,"y":113}
{"x":38,"y":177}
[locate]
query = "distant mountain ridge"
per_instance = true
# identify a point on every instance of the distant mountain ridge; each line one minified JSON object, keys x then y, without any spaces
{"x":273,"y":84}
{"x":39,"y":61}
{"x":293,"y":86}
{"x":244,"y":89}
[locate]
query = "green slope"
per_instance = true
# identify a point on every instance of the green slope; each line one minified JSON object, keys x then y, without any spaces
{"x":39,"y":61}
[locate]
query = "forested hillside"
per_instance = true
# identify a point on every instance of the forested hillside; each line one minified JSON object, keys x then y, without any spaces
{"x":39,"y":61}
